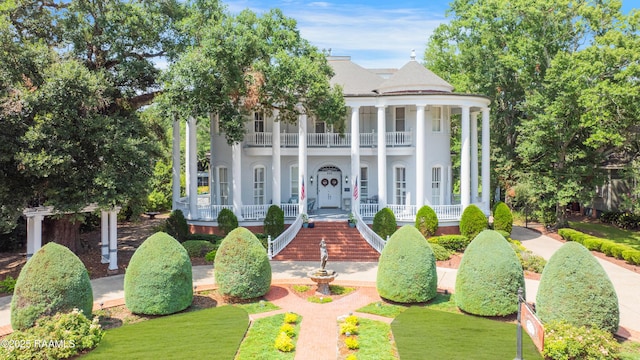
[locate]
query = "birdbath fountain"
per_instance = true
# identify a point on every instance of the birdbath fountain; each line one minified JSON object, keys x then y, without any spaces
{"x":323,"y":277}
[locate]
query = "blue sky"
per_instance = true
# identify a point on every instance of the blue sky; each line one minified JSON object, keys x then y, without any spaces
{"x":375,"y":33}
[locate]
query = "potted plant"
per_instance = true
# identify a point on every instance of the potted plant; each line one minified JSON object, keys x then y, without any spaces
{"x":352,"y":220}
{"x":305,"y":220}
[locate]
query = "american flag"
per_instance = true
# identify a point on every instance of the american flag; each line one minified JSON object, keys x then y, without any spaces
{"x":355,"y":189}
{"x":302,"y":189}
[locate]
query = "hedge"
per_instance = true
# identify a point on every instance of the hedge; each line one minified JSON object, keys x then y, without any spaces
{"x":455,"y":243}
{"x":198,"y":248}
{"x":472,"y":222}
{"x":608,"y":247}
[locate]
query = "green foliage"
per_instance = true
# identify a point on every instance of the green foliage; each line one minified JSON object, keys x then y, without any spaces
{"x":351,"y":319}
{"x":407,"y":268}
{"x":301,"y":288}
{"x":284,"y":343}
{"x":631,"y":256}
{"x":608,"y":247}
{"x":502,"y":218}
{"x":427,"y":221}
{"x":176,"y":226}
{"x":563,"y":341}
{"x":472,"y":222}
{"x":349,"y":327}
{"x":274,"y":221}
{"x":288,"y":329}
{"x":384,"y":223}
{"x":319,"y":299}
{"x":453,"y":243}
{"x":291,"y":318}
{"x":489,"y":277}
{"x":54,"y":280}
{"x":198,"y":248}
{"x":227,"y":221}
{"x":528,"y":260}
{"x":54,"y":337}
{"x":242,"y":267}
{"x":159,"y":279}
{"x":440,"y":252}
{"x":8,"y":284}
{"x":159,"y":199}
{"x":575,"y":288}
{"x":211,"y":256}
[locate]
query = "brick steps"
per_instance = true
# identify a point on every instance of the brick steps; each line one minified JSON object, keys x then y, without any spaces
{"x":343,"y":244}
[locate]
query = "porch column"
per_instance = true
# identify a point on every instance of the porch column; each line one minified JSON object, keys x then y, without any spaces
{"x":302,"y":163}
{"x":113,"y":240}
{"x":275,"y":164}
{"x":465,"y":165}
{"x":34,"y":234}
{"x":236,"y":179}
{"x":420,"y":148}
{"x":192,"y":169}
{"x":175,"y":156}
{"x":104,"y":236}
{"x":382,"y":157}
{"x":355,"y":159}
{"x":474,"y":157}
{"x":486,"y":170}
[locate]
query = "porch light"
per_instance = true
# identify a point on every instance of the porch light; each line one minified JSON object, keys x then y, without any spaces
{"x":346,"y":178}
{"x":311,"y":179}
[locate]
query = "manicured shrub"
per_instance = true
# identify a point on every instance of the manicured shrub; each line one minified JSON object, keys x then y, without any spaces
{"x":440,"y":252}
{"x":489,"y":277}
{"x":242,"y":267}
{"x":575,"y":288}
{"x":288,"y":329}
{"x":290,"y":318}
{"x":211,"y":256}
{"x":274,"y":221}
{"x":227,"y":221}
{"x":351,"y":343}
{"x":384,"y":223}
{"x":284,"y":343}
{"x":197,"y":248}
{"x":176,"y":226}
{"x":506,"y":235}
{"x":407,"y":268}
{"x":454,"y":243}
{"x":54,"y":280}
{"x":502,"y":218}
{"x":158,"y":280}
{"x":631,"y":256}
{"x":472,"y":222}
{"x":8,"y":284}
{"x":347,"y":327}
{"x":427,"y":221}
{"x":528,"y":260}
{"x":566,"y":342}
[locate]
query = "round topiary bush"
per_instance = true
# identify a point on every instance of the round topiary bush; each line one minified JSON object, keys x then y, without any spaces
{"x":176,"y":226}
{"x":158,"y":280}
{"x":472,"y":222}
{"x":53,"y":281}
{"x":502,"y":218}
{"x":384,"y":223}
{"x":227,"y":221}
{"x":489,"y":277}
{"x":407,"y":268}
{"x":242,"y":267}
{"x":575,"y":288}
{"x":274,"y":221}
{"x":427,"y":221}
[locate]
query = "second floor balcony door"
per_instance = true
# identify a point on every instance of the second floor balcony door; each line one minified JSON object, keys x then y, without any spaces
{"x":329,"y":188}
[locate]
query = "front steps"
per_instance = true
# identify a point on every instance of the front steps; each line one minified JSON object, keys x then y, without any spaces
{"x":343,"y":244}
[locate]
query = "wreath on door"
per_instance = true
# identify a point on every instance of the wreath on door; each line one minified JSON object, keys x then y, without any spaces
{"x":324,"y":182}
{"x":334,"y":182}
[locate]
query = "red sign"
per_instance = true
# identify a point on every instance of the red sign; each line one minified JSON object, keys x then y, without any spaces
{"x":532,"y":325}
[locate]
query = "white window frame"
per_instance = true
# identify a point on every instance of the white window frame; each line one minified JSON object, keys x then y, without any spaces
{"x":364,"y":182}
{"x":258,"y":122}
{"x":437,"y":119}
{"x":402,"y":118}
{"x":436,"y":185}
{"x":294,"y":184}
{"x":259,"y":185}
{"x":223,"y":185}
{"x":400,"y":185}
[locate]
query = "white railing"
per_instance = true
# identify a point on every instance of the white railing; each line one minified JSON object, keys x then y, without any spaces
{"x":279,"y":243}
{"x":447,"y":212}
{"x":290,"y":210}
{"x":259,"y":139}
{"x":367,"y":233}
{"x":368,"y":139}
{"x":211,"y":212}
{"x":399,"y":138}
{"x":289,"y":140}
{"x":328,"y":140}
{"x":368,"y":211}
{"x":254,"y":212}
{"x":404,"y":212}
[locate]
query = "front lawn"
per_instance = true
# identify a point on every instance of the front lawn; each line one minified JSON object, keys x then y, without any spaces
{"x":609,"y":232}
{"x":213,"y":333}
{"x":421,"y":332}
{"x":260,"y":340}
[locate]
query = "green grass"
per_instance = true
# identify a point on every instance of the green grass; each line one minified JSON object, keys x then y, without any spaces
{"x":211,"y":331}
{"x":374,"y":341}
{"x":319,"y":299}
{"x":260,"y":340}
{"x":341,"y":290}
{"x":382,"y":308}
{"x":443,"y":302}
{"x":629,"y":350}
{"x":301,"y":288}
{"x":444,"y":335}
{"x":257,"y":307}
{"x":609,"y":232}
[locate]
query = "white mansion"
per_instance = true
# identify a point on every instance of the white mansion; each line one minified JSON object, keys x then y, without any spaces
{"x":395,"y":152}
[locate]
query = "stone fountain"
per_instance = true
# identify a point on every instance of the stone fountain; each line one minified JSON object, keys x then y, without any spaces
{"x":322,"y":276}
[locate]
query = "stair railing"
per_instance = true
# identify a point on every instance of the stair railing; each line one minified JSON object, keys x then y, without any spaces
{"x":369,"y":235}
{"x":279,"y":243}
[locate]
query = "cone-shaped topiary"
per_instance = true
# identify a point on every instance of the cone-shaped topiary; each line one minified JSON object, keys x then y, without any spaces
{"x":575,"y":288}
{"x":242,"y":267}
{"x":472,"y":222}
{"x":227,"y":220}
{"x":176,"y":226}
{"x":489,"y":277}
{"x":502,"y":218}
{"x":427,"y":221}
{"x":274,"y":221}
{"x":407,"y":268}
{"x":159,"y":277}
{"x":384,"y":223}
{"x":54,"y":280}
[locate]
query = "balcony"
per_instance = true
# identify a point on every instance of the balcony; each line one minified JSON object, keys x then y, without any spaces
{"x":329,"y":140}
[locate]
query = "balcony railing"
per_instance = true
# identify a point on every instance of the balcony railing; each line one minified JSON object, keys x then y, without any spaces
{"x":315,"y":140}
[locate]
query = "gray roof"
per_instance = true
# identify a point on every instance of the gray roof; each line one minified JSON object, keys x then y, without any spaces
{"x":354,"y":79}
{"x":413,"y":76}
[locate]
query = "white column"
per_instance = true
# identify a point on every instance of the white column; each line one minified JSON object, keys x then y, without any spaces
{"x":486,"y":170}
{"x":302,"y":162}
{"x":355,"y":157}
{"x":420,"y":149}
{"x":192,"y":168}
{"x":104,"y":236}
{"x":213,"y":119}
{"x":382,"y":157}
{"x":275,"y":164}
{"x":30,"y":238}
{"x":474,"y":157}
{"x":465,"y":164}
{"x":113,"y":241}
{"x":236,"y":179}
{"x":175,"y":155}
{"x":449,"y":199}
{"x":37,"y":232}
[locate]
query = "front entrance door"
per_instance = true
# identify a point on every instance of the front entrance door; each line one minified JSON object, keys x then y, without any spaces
{"x":329,"y":189}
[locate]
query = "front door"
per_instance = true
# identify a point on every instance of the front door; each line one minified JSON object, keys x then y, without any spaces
{"x":329,"y":187}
